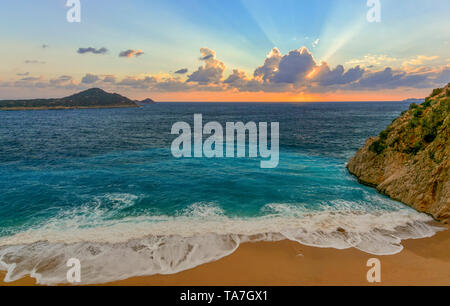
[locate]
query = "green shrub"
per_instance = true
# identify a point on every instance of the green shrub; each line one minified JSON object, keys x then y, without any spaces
{"x":384,"y":135}
{"x":431,"y":155}
{"x":378,"y":147}
{"x":413,"y":106}
{"x":415,"y":149}
{"x":430,"y":137}
{"x":436,"y":92}
{"x":413,"y":123}
{"x":427,"y":102}
{"x":418,"y":113}
{"x":394,"y":143}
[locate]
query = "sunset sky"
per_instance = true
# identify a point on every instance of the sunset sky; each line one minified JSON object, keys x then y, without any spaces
{"x":234,"y":50}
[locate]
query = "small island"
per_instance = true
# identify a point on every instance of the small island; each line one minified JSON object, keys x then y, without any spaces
{"x":146,"y":101}
{"x":410,"y":160}
{"x":91,"y":98}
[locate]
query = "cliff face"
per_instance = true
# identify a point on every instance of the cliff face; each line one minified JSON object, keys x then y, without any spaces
{"x":409,"y":161}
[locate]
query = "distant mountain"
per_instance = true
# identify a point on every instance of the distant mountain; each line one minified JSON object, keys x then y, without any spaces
{"x":147,"y":101}
{"x":91,"y":98}
{"x":414,"y":100}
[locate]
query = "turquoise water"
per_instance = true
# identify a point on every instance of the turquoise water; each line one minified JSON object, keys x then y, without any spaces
{"x":103,"y":187}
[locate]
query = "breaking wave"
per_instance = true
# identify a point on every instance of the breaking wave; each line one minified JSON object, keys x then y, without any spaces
{"x":112,"y":248}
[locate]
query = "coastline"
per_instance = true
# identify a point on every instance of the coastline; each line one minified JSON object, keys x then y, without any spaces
{"x":63,"y":108}
{"x":422,"y":262}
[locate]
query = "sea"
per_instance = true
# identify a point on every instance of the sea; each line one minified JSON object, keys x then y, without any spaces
{"x":102,"y":186}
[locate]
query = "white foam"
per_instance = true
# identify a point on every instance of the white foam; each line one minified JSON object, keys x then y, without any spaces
{"x":157,"y":244}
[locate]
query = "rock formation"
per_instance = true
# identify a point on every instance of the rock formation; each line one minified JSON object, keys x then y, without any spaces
{"x":409,"y":161}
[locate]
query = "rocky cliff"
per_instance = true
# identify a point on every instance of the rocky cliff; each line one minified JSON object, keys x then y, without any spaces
{"x":409,"y":161}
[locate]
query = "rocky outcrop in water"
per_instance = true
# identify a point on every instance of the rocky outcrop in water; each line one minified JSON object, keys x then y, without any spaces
{"x":409,"y":161}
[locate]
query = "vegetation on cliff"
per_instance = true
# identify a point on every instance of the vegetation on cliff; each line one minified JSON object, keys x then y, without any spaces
{"x":409,"y":160}
{"x":418,"y":127}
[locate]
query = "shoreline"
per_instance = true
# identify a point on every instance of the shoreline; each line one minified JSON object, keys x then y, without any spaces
{"x":286,"y":263}
{"x":10,"y":109}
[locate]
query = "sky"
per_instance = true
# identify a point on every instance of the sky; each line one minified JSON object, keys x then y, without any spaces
{"x":233,"y":50}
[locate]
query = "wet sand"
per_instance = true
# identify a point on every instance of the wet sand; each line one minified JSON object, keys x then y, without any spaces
{"x":422,"y":262}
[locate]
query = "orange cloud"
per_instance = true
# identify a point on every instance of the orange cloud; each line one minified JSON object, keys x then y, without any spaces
{"x":131,"y":53}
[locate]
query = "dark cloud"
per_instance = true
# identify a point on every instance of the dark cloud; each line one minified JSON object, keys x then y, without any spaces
{"x":138,"y":83}
{"x":172,"y":85}
{"x":182,"y":71}
{"x":443,"y":76}
{"x":206,"y":57}
{"x":267,"y":71}
{"x":109,"y":79}
{"x":390,"y":79}
{"x":90,"y":79}
{"x":338,"y":76}
{"x":62,"y":80}
{"x":33,"y":62}
{"x":237,"y":78}
{"x":294,"y":67}
{"x":131,"y":53}
{"x":92,"y":50}
{"x":44,"y":46}
{"x":31,"y":79}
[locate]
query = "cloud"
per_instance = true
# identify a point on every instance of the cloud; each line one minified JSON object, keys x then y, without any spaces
{"x":212,"y":72}
{"x":45,"y":46}
{"x":294,"y":67}
{"x":131,"y":53}
{"x":23,"y":74}
{"x":207,"y":54}
{"x":33,"y":62}
{"x":167,"y":84}
{"x":92,"y":50}
{"x":241,"y":81}
{"x":315,"y":43}
{"x":28,"y":82}
{"x":419,"y":60}
{"x":135,"y":82}
{"x":237,"y":78}
{"x":337,"y":76}
{"x":62,"y":80}
{"x":267,"y":71}
{"x":441,"y":76}
{"x":90,"y":79}
{"x":182,"y":71}
{"x":391,"y":79}
{"x":31,"y":79}
{"x":295,"y":72}
{"x":373,"y":60}
{"x":109,"y":79}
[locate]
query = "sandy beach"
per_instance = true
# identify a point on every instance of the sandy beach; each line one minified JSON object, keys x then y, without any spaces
{"x":422,"y":262}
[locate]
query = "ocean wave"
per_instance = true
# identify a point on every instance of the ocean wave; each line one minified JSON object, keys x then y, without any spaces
{"x":120,"y":248}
